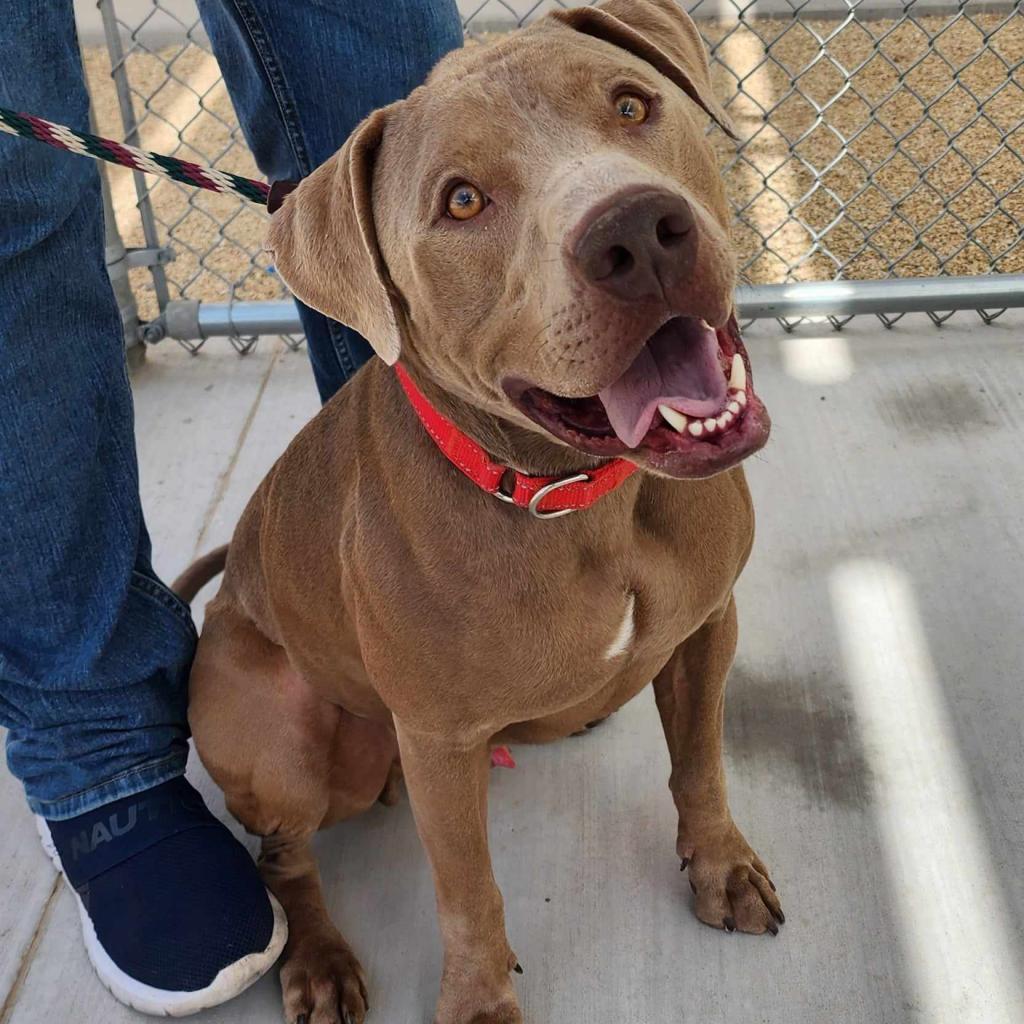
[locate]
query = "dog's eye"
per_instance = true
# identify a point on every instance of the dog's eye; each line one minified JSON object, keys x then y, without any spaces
{"x":465,"y":201}
{"x":632,"y":108}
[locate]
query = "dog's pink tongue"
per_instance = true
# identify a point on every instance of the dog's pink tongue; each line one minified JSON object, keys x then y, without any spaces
{"x":678,"y":367}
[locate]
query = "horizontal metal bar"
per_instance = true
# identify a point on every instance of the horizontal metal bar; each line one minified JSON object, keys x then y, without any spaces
{"x":895,"y":295}
{"x":150,"y":257}
{"x":188,"y":320}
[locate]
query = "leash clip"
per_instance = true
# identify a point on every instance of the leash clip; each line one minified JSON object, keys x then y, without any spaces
{"x":279,"y":191}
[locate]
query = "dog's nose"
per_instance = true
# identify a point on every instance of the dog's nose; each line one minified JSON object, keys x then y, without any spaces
{"x":638,"y":247}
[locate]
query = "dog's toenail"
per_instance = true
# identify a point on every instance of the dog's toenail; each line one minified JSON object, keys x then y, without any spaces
{"x":779,"y":916}
{"x":773,"y":928}
{"x":518,"y":969}
{"x":693,"y":888}
{"x":302,"y":1019}
{"x":730,"y":924}
{"x":684,"y":862}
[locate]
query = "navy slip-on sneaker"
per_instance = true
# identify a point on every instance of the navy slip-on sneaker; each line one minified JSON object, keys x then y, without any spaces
{"x":175,"y":916}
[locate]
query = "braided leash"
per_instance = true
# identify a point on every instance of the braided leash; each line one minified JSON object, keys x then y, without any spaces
{"x":30,"y":127}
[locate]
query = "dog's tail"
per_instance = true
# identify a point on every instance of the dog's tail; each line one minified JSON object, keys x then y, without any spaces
{"x":199,"y":573}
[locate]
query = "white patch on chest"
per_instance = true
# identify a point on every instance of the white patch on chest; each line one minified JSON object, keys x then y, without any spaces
{"x":626,"y":631}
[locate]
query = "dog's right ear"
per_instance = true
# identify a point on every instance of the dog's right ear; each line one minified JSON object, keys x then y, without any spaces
{"x":661,"y":33}
{"x":324,"y":243}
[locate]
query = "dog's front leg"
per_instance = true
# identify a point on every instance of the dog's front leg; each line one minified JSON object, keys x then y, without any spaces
{"x":447,"y":785}
{"x":321,"y":979}
{"x":730,"y":882}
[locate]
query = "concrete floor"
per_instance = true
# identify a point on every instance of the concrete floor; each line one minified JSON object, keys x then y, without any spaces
{"x":874,"y":721}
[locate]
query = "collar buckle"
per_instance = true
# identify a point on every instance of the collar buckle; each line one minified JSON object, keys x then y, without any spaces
{"x":534,"y":507}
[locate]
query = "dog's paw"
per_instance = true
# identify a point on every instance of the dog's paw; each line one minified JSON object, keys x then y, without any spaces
{"x":472,"y":997}
{"x":323,"y":982}
{"x":731,"y":886}
{"x":508,"y":1014}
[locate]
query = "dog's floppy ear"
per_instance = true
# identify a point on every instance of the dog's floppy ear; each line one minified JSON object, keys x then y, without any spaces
{"x":324,"y":243}
{"x":661,"y":33}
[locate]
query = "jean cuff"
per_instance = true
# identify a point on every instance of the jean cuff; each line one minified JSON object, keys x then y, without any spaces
{"x":127,"y":783}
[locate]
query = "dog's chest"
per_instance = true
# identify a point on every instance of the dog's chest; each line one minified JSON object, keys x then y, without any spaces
{"x":608,"y":618}
{"x":594,"y":640}
{"x":548,"y":619}
{"x":650,"y":601}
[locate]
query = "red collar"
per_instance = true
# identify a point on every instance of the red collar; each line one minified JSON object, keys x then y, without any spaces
{"x":546,"y":497}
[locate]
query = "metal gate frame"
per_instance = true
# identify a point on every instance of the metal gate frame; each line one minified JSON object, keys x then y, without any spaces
{"x":837,"y":300}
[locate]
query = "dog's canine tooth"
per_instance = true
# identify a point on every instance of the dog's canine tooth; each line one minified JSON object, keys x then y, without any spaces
{"x":674,"y":419}
{"x":738,"y":377}
{"x":696,"y":428}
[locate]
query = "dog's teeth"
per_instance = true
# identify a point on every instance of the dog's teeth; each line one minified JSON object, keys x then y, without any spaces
{"x":674,"y":419}
{"x":710,"y":424}
{"x":734,"y":407}
{"x":738,"y":377}
{"x":704,"y":323}
{"x":741,"y":397}
{"x":724,"y":420}
{"x":696,"y":428}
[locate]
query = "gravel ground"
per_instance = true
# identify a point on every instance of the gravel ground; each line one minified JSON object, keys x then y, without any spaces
{"x":949,"y":198}
{"x":816,"y":193}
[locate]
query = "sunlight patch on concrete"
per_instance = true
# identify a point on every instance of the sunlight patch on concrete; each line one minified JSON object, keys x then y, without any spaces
{"x":956,"y":935}
{"x":818,"y":359}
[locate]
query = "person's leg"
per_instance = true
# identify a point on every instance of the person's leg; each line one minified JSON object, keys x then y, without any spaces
{"x":302,"y":75}
{"x":94,"y":649}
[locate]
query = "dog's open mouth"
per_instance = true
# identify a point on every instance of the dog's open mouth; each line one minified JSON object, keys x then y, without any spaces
{"x":685,"y":406}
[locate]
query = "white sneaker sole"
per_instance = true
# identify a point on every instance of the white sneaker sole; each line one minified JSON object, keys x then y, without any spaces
{"x":229,"y":982}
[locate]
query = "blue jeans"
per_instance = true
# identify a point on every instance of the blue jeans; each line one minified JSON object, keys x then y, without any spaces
{"x":94,"y":649}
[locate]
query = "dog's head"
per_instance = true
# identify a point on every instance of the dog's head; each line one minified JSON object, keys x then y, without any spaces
{"x":542,"y":231}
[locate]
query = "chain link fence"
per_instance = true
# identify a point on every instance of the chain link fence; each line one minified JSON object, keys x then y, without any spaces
{"x":879,"y":140}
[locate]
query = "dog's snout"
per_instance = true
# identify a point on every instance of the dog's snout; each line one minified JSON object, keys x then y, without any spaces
{"x":638,"y":247}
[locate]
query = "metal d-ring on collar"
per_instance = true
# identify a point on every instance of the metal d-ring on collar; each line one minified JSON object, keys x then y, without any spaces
{"x":534,"y":507}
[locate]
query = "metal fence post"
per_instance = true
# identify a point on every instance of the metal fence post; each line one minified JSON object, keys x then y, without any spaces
{"x":131,"y":135}
{"x":117,"y":270}
{"x":117,"y":264}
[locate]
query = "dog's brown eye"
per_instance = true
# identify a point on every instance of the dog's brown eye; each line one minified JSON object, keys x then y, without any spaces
{"x":632,"y":108}
{"x":465,"y":201}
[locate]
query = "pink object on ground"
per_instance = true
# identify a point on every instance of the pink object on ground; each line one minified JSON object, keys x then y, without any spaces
{"x":501,"y":757}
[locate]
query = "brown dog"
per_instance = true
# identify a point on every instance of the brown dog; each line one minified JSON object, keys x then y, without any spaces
{"x":540,"y":235}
